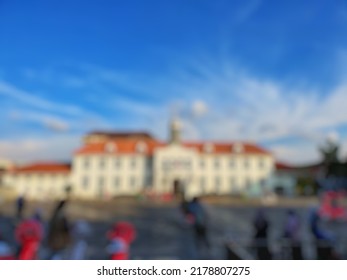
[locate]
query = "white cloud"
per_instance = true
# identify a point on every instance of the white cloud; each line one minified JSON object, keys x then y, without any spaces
{"x":242,"y":106}
{"x":58,"y":148}
{"x":199,"y":108}
{"x":297,"y":154}
{"x":55,"y":124}
{"x":219,"y":101}
{"x":30,"y":99}
{"x":49,"y":121}
{"x":216,"y":101}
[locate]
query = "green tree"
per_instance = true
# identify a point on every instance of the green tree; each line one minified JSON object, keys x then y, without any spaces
{"x":330,"y":152}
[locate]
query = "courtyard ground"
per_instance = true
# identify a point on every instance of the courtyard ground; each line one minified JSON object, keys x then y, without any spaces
{"x":162,"y":233}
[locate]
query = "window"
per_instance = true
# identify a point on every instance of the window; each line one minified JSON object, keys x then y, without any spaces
{"x":141,"y":147}
{"x":116,"y":182}
{"x":262,"y":183}
{"x":86,"y":163}
{"x":148,"y":179}
{"x":110,"y":147}
{"x":261,"y":163}
{"x":232,"y":163}
{"x":102,"y":163}
{"x":217,"y":184}
{"x":101,"y":182}
{"x":246,"y":163}
{"x":132,"y":182}
{"x":202,"y":164}
{"x":232,"y":183}
{"x":216,"y":163}
{"x":85,"y":182}
{"x":208,"y":148}
{"x":248,"y":183}
{"x":133,"y":163}
{"x":117,"y":163}
{"x":202,"y":184}
{"x":149,"y":163}
{"x":238,"y":148}
{"x":164,"y":165}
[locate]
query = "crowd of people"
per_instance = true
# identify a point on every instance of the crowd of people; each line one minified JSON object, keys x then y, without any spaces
{"x":291,"y":240}
{"x":60,"y":237}
{"x":63,"y":239}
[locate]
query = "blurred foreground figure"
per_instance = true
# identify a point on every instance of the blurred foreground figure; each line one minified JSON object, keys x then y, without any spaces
{"x":29,"y":235}
{"x":199,"y":220}
{"x":58,"y":237}
{"x":261,"y":226}
{"x":20,"y":204}
{"x":187,"y":216}
{"x":80,"y":231}
{"x":6,"y":252}
{"x":291,"y":234}
{"x":121,"y":236}
{"x":324,"y":239}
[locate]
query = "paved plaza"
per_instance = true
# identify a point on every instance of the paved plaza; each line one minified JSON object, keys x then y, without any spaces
{"x":163,"y":234}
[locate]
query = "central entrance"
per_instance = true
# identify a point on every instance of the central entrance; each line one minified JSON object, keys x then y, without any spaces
{"x":178,"y":187}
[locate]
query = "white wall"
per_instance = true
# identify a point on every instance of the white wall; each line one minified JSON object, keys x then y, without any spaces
{"x":211,"y":173}
{"x":38,"y":185}
{"x":112,"y":174}
{"x":108,"y":175}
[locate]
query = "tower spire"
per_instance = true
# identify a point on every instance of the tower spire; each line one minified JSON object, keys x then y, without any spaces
{"x":175,"y":125}
{"x":175,"y":131}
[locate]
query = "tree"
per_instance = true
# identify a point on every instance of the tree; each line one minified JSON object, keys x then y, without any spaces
{"x":330,"y":152}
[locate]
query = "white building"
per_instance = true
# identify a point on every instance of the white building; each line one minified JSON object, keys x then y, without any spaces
{"x":113,"y":164}
{"x":39,"y":180}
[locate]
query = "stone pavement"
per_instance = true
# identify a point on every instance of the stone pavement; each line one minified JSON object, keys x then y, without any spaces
{"x":162,"y":233}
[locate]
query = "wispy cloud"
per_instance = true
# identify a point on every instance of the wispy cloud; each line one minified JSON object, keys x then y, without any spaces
{"x":214,"y":99}
{"x":12,"y":92}
{"x":233,"y":104}
{"x":49,"y":121}
{"x":37,"y":149}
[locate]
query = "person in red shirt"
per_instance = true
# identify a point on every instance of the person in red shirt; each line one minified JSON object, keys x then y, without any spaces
{"x":29,"y":234}
{"x":121,"y":236}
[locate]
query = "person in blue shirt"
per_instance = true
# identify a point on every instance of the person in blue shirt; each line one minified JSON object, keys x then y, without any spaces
{"x":200,"y":220}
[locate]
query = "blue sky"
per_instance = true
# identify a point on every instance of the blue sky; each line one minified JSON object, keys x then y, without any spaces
{"x":273,"y":72}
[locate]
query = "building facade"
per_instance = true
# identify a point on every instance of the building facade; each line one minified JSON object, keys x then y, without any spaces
{"x":116,"y":164}
{"x":39,"y":180}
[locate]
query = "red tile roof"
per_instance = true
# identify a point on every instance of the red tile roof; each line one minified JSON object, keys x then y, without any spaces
{"x":123,"y":146}
{"x":226,"y":148}
{"x":43,"y":167}
{"x":128,"y":146}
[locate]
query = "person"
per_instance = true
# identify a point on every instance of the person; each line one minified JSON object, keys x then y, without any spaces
{"x":58,"y":236}
{"x":291,"y":234}
{"x":324,"y":239}
{"x":80,"y":231}
{"x":20,"y":204}
{"x":120,"y":237}
{"x":187,"y":216}
{"x":29,"y":235}
{"x":261,"y":226}
{"x":199,"y":220}
{"x":6,"y":252}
